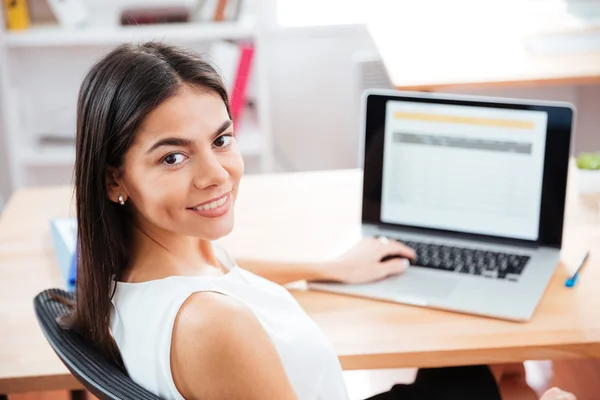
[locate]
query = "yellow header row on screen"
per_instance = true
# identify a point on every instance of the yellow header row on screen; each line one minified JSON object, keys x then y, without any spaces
{"x":457,"y":119}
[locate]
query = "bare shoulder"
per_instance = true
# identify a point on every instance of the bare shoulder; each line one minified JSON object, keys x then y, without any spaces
{"x":220,"y":350}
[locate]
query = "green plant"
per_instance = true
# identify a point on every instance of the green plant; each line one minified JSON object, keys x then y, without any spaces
{"x":589,"y":161}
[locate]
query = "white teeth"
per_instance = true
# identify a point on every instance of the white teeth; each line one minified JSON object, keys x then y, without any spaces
{"x":214,"y":204}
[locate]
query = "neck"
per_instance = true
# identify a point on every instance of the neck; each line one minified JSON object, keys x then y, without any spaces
{"x":158,"y":254}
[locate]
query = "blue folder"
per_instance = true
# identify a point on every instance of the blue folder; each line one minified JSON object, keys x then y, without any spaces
{"x":64,"y":239}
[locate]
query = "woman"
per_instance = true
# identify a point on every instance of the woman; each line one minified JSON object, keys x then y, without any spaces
{"x":157,"y":175}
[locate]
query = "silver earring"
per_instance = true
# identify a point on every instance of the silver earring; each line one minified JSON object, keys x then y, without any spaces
{"x":121,"y":200}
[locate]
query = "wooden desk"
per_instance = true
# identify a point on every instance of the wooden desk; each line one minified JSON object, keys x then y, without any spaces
{"x":429,"y":55}
{"x":304,"y":216}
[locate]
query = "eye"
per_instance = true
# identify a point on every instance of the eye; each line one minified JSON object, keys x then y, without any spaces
{"x":223,"y":141}
{"x":174,"y":159}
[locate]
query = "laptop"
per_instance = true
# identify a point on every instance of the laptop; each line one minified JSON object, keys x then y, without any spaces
{"x":477,"y":186}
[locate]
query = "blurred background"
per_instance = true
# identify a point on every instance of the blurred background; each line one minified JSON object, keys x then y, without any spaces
{"x":298,"y":67}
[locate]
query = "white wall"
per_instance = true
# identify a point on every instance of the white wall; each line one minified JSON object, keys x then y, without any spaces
{"x":5,"y":184}
{"x":312,"y":94}
{"x":4,"y":173}
{"x":313,"y":97}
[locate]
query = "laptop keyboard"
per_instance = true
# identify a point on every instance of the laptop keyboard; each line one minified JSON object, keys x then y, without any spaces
{"x":468,"y":261}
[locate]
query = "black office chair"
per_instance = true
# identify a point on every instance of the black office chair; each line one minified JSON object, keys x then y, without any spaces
{"x":98,"y":376}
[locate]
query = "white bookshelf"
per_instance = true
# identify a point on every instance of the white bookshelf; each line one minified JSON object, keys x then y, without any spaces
{"x":36,"y":156}
{"x":56,"y":36}
{"x":47,"y":63}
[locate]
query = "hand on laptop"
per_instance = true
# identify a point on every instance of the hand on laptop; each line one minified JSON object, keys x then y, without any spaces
{"x":557,"y":394}
{"x":362,"y":263}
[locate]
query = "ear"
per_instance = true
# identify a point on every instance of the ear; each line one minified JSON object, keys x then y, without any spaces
{"x":114,"y":184}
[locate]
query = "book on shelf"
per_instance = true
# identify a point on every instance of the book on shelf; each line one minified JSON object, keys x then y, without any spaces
{"x":155,"y":15}
{"x":240,"y":86}
{"x":16,"y":14}
{"x":219,"y":10}
{"x":234,"y":62}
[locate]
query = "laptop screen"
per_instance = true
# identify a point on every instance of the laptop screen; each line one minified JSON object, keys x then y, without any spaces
{"x":463,"y":168}
{"x":466,"y":166}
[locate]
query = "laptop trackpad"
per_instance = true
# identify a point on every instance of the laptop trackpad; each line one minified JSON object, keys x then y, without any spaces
{"x":413,"y":283}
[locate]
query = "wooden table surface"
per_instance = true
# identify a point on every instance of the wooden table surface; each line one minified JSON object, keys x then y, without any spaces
{"x":303,"y":216}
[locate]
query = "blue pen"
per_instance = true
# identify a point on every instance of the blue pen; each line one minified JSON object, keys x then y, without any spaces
{"x":572,"y":280}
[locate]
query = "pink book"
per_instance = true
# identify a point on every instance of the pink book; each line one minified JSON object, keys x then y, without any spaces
{"x":238,"y":95}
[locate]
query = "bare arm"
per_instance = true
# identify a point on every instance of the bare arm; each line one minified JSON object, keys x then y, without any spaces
{"x":362,"y":263}
{"x":219,"y":350}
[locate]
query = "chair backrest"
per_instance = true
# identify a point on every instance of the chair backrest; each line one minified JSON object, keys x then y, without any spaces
{"x":100,"y":377}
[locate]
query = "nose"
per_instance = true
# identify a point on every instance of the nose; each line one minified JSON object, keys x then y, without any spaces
{"x":210,"y":172}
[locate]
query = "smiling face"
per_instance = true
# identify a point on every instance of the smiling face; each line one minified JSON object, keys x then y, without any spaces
{"x":181,"y":174}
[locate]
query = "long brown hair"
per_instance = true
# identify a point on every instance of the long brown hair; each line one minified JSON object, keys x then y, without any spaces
{"x":115,"y":97}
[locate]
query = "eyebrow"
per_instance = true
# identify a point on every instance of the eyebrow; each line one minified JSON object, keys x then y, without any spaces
{"x":181,"y":142}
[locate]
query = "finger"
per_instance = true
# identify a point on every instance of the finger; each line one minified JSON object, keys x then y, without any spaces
{"x":558,"y":394}
{"x":550,"y":393}
{"x":566,"y":396}
{"x":397,"y":266}
{"x":400,"y":248}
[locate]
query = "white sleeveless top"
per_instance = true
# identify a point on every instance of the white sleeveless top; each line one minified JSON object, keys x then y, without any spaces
{"x":144,"y":313}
